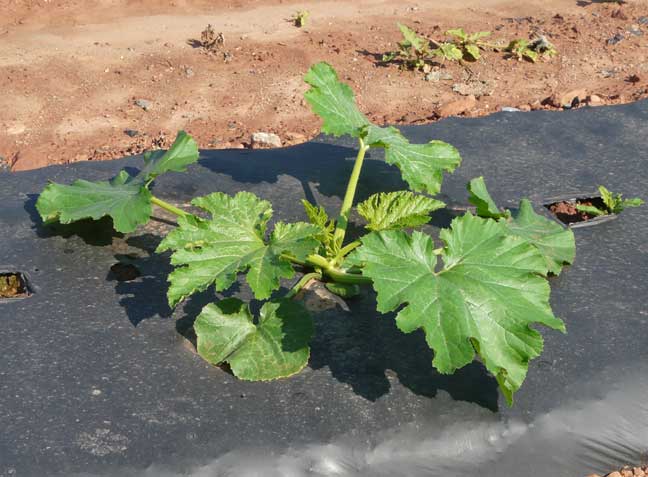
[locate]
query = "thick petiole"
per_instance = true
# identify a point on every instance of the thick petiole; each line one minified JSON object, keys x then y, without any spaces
{"x":347,"y":203}
{"x":168,"y":207}
{"x":302,"y":283}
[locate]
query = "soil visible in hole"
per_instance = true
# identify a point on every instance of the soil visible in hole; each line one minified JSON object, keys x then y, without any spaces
{"x":124,"y":272}
{"x":567,"y":212}
{"x":627,"y":471}
{"x":13,"y":285}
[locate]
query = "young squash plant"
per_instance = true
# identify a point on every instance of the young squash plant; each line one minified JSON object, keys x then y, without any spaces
{"x":478,"y":293}
{"x":613,"y":203}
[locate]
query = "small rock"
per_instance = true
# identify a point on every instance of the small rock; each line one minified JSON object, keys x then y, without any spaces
{"x":627,"y":473}
{"x":131,"y":132}
{"x":635,"y":30}
{"x":4,"y":165}
{"x":457,"y":107}
{"x":615,"y":39}
{"x":438,"y":75}
{"x":143,"y":103}
{"x":525,"y":107}
{"x":509,"y":109}
{"x":595,"y":100}
{"x":475,"y":88}
{"x":638,"y":472}
{"x":263,"y":139}
{"x":536,"y":105}
{"x":643,"y":20}
{"x":189,"y":72}
{"x":567,"y":100}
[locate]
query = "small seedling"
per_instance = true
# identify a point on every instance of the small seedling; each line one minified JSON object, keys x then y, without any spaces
{"x":531,"y":50}
{"x":413,"y":51}
{"x":300,"y":18}
{"x":470,"y":45}
{"x":613,"y":204}
{"x":480,"y":293}
{"x":416,"y":52}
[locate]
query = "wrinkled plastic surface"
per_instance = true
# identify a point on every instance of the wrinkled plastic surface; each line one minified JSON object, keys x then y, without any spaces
{"x":95,"y":378}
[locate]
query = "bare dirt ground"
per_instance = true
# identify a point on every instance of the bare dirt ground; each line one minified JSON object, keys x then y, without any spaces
{"x":72,"y":71}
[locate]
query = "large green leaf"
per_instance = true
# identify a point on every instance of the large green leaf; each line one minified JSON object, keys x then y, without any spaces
{"x":397,"y":210}
{"x":128,"y":204}
{"x":233,"y":241}
{"x":421,"y":165}
{"x":555,"y":242}
{"x":333,"y":101}
{"x":484,"y":298}
{"x":125,"y":198}
{"x":276,"y":347}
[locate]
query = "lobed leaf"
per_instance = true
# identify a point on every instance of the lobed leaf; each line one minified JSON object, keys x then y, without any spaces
{"x":333,"y":101}
{"x":421,"y":165}
{"x":276,"y":347}
{"x":128,"y":204}
{"x":484,"y":299}
{"x":233,"y":241}
{"x":125,"y":198}
{"x":555,"y":242}
{"x":397,"y":210}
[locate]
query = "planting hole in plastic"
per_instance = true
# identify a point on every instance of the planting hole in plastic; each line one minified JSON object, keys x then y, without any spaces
{"x":564,"y":209}
{"x":124,"y":272}
{"x":13,"y":285}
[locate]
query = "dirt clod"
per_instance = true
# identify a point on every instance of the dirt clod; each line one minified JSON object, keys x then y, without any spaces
{"x":264,"y":139}
{"x":568,"y":99}
{"x":455,"y":108}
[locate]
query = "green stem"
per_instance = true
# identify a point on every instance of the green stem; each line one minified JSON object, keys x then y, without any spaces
{"x":343,"y":277}
{"x":328,"y":269}
{"x":346,"y":250}
{"x":302,"y":283}
{"x":168,"y":207}
{"x":335,"y":273}
{"x":347,"y":203}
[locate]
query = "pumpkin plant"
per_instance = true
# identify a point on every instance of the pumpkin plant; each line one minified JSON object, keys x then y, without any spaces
{"x":478,"y":293}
